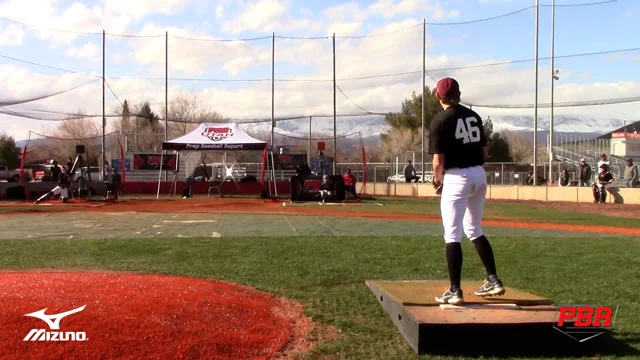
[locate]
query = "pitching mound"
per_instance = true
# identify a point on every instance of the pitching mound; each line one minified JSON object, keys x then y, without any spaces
{"x":137,"y":316}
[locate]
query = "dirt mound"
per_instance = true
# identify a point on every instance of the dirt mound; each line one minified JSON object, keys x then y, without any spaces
{"x":138,"y":316}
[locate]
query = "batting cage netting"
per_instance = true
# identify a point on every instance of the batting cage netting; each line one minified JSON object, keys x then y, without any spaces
{"x":81,"y":155}
{"x":292,"y":151}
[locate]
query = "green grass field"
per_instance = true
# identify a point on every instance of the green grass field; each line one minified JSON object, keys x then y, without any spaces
{"x":327,"y":274}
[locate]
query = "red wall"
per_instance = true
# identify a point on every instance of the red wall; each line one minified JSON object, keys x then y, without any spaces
{"x":201,"y":188}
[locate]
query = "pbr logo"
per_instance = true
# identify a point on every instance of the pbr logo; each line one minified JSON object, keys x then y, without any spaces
{"x":53,"y":321}
{"x":217,"y":133}
{"x":584,"y":322}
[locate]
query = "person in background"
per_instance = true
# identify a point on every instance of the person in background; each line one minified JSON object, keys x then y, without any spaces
{"x":108,"y":170}
{"x":112,"y":184}
{"x":585,"y":173}
{"x":350,"y":183}
{"x":409,"y":172}
{"x":326,"y":189}
{"x":69,"y":165}
{"x":630,"y":174}
{"x":55,"y":171}
{"x":564,"y":178}
{"x":529,"y":179}
{"x":603,"y":160}
{"x":303,"y":169}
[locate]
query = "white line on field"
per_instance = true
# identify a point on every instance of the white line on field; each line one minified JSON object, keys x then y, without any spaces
{"x":215,"y":234}
{"x":189,"y":221}
{"x":379,"y":204}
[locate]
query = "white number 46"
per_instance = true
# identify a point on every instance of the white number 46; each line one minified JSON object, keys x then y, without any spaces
{"x":466,"y":131}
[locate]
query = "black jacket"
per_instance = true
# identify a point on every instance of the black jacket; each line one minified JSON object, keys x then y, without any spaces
{"x":115,"y":179}
{"x":585,"y":172}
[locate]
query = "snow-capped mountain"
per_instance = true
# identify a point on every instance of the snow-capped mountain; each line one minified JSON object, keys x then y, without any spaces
{"x":568,"y":124}
{"x":375,"y":125}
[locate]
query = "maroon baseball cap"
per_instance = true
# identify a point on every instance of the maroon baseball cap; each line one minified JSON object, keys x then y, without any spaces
{"x":448,"y":87}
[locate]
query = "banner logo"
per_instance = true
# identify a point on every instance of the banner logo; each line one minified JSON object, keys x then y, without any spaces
{"x":584,"y":322}
{"x":217,"y":133}
{"x":53,"y":321}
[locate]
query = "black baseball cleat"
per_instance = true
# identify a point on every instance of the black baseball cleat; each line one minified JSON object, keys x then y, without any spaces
{"x":491,"y":289}
{"x":451,"y":297}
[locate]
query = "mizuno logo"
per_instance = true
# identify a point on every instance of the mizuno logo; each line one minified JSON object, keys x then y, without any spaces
{"x":53,"y":321}
{"x":54,"y":325}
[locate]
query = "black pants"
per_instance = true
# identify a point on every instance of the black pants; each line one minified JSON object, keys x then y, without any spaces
{"x":351,"y":189}
{"x":111,"y":187}
{"x":411,"y":178}
{"x":599,"y":193}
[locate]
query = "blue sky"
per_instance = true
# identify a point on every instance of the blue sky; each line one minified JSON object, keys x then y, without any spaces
{"x":578,"y":30}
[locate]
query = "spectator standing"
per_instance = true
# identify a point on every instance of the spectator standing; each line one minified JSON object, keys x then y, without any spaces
{"x":55,"y":171}
{"x":409,"y":172}
{"x":603,"y":160}
{"x":630,"y":174}
{"x":585,"y":173}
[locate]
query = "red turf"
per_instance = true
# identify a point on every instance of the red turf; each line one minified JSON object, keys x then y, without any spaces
{"x":137,"y":316}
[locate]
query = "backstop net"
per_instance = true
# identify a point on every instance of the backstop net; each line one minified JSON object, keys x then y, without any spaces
{"x":317,"y":151}
{"x":40,"y":152}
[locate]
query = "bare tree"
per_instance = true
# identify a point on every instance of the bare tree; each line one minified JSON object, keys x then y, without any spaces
{"x":186,"y":113}
{"x":401,"y":141}
{"x":75,"y":130}
{"x":521,"y":148}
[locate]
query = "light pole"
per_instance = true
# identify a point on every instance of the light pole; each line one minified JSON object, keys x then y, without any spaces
{"x":554,"y":78}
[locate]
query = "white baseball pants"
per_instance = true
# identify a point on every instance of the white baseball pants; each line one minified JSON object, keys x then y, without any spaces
{"x":462,"y":203}
{"x":64,"y":193}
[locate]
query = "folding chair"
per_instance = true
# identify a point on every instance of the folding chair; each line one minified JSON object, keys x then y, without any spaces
{"x":215,"y":185}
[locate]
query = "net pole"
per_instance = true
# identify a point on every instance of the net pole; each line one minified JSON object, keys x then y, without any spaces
{"x":104,"y":119}
{"x":309,"y":152}
{"x":535,"y":106}
{"x":424,"y":70}
{"x":273,"y":86}
{"x":335,"y":142}
{"x":166,"y":93}
{"x":273,"y":101}
{"x":553,"y":79}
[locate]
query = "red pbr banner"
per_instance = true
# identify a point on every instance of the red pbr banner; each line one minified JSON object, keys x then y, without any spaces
{"x":152,"y":162}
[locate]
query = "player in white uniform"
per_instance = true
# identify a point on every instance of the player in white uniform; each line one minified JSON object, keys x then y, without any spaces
{"x":459,"y":147}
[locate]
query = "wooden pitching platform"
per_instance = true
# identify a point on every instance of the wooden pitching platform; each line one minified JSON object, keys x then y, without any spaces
{"x":426,"y":324}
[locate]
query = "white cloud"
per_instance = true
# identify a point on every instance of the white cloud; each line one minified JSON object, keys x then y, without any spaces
{"x":344,"y":28}
{"x":391,"y":8}
{"x":266,"y":16}
{"x":219,"y":11}
{"x":495,"y":1}
{"x":11,"y":35}
{"x":346,"y":12}
{"x":89,"y":51}
{"x":194,"y":57}
{"x":76,"y":17}
{"x":140,"y":8}
{"x":363,"y":57}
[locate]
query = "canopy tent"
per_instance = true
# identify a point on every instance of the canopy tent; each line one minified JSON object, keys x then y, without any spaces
{"x":217,"y":137}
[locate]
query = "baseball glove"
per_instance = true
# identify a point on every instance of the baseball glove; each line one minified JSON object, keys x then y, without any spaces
{"x":438,"y":187}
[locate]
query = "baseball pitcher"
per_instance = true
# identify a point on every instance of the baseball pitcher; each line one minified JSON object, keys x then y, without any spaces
{"x":459,"y":147}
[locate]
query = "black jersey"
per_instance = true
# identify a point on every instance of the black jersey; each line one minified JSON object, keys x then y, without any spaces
{"x":605,"y":177}
{"x":458,"y":133}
